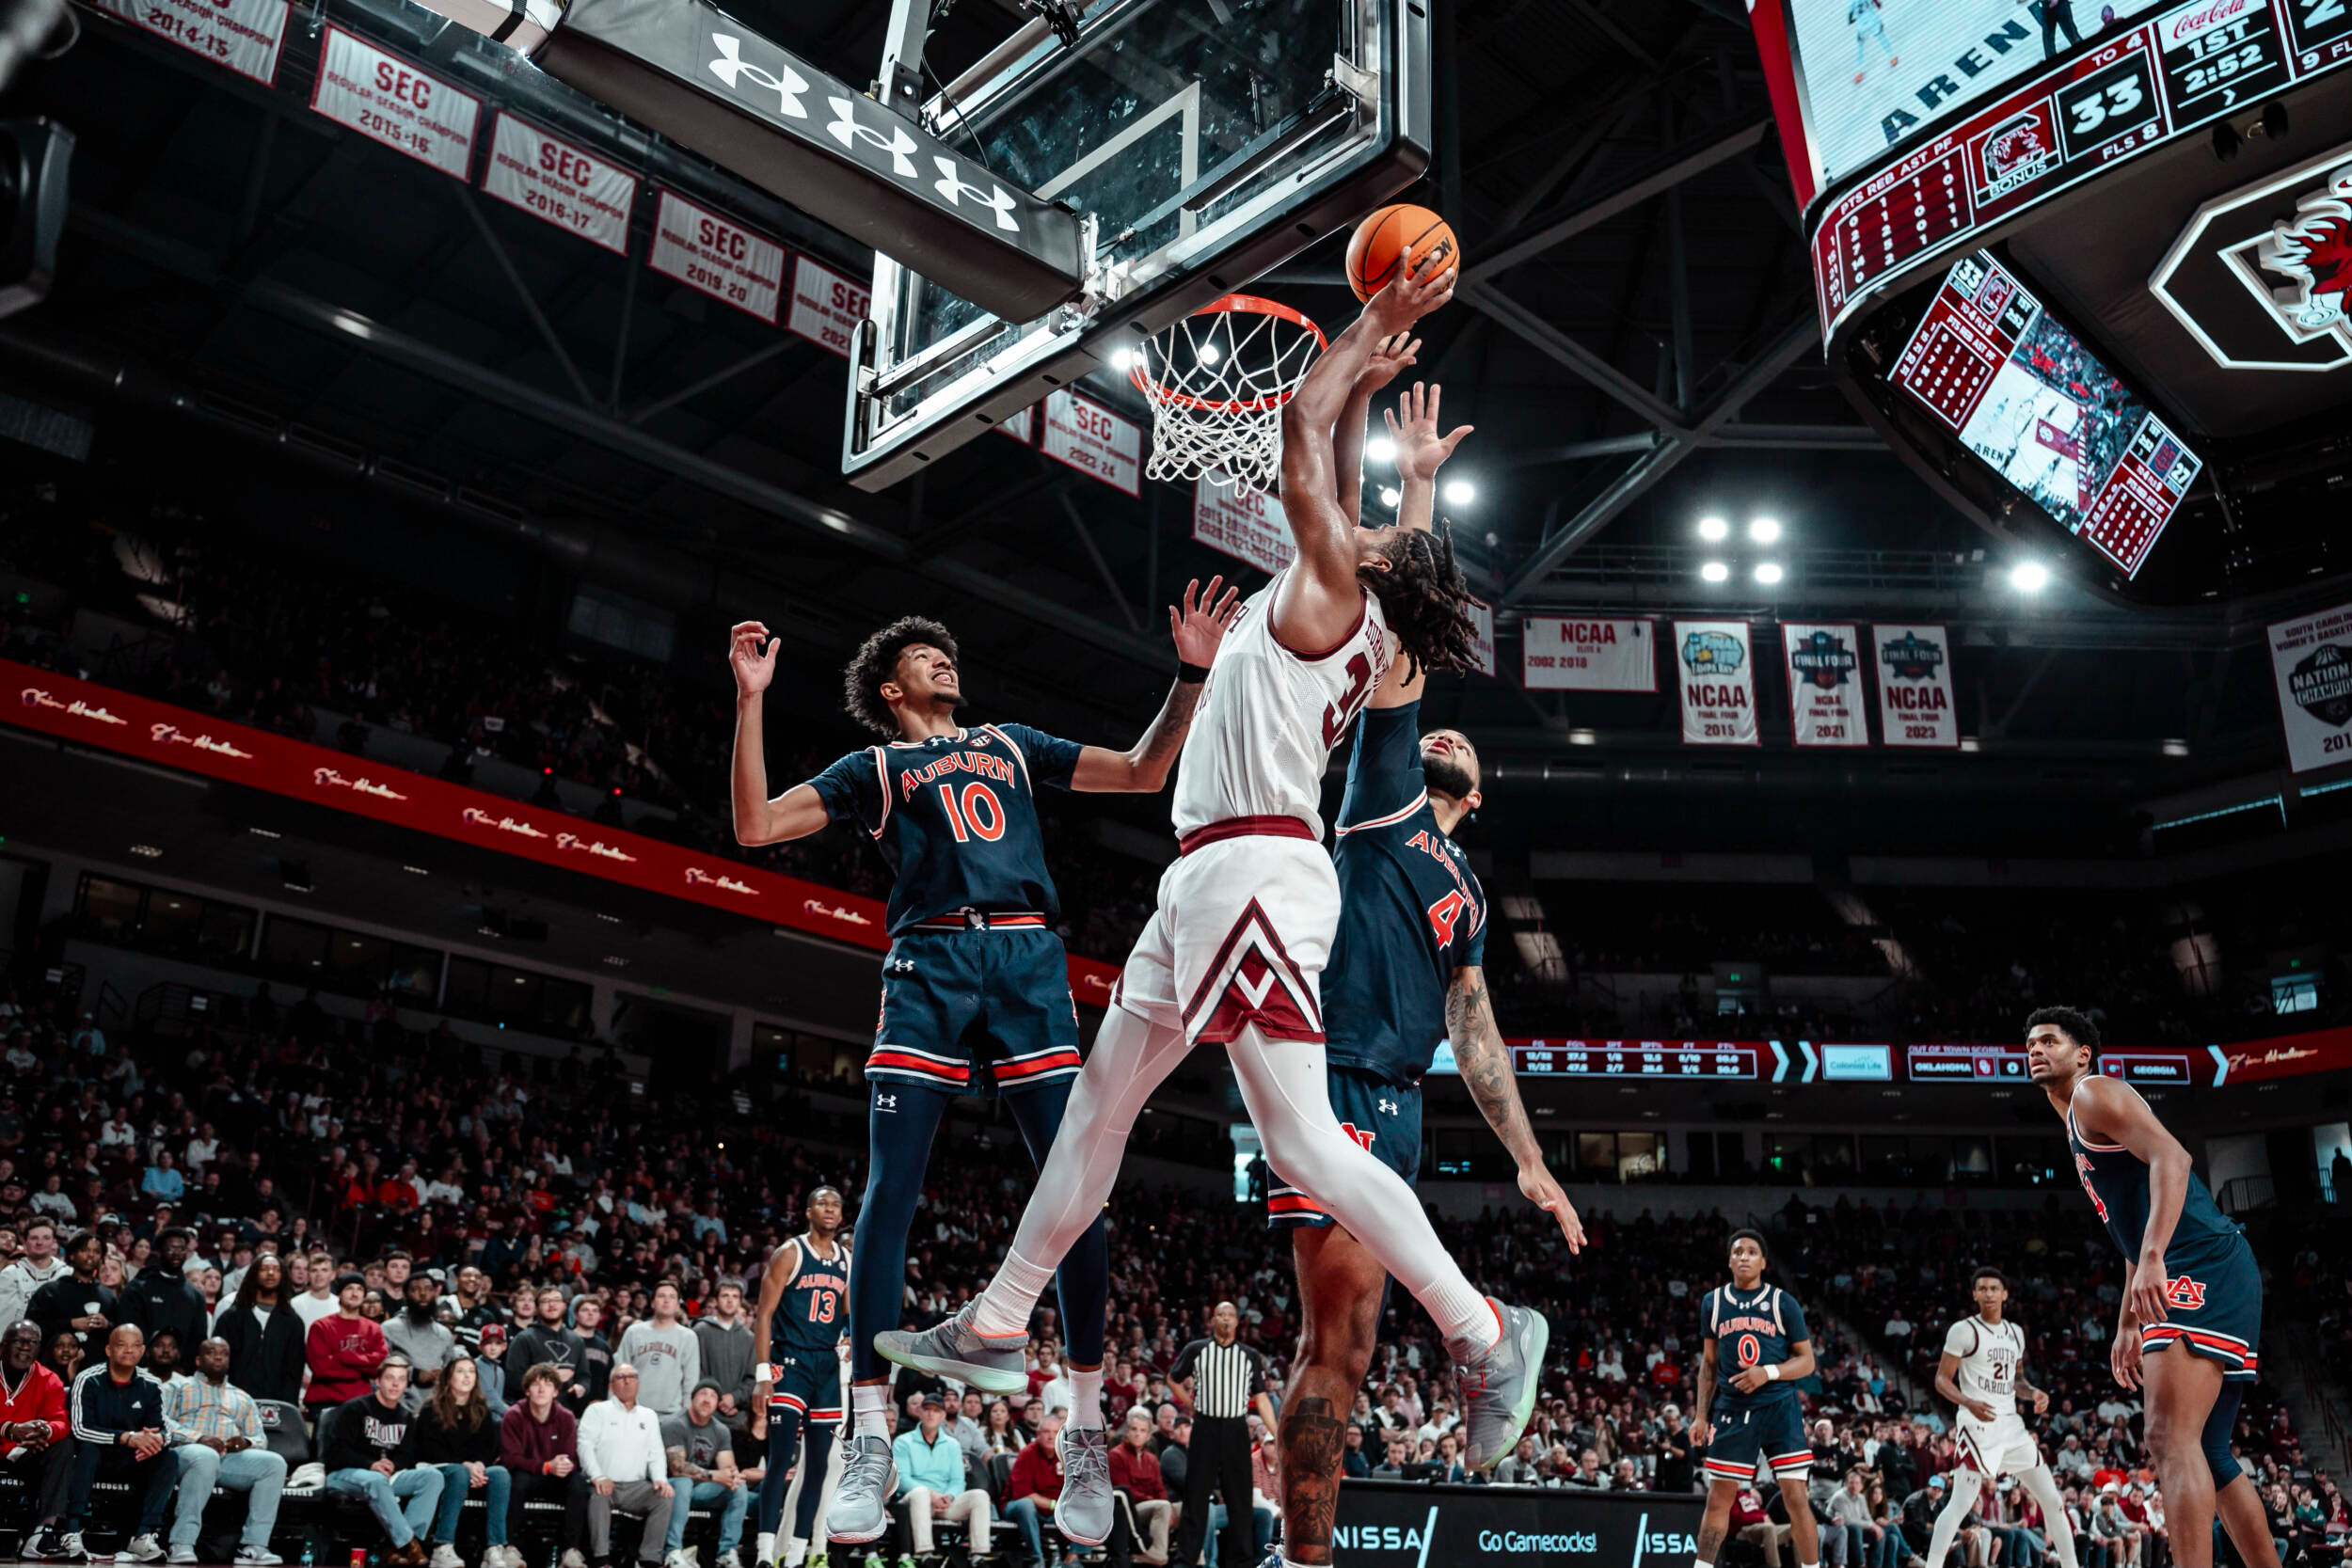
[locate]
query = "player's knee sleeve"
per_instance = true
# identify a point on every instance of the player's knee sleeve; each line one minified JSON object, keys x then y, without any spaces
{"x":2219,"y":1423}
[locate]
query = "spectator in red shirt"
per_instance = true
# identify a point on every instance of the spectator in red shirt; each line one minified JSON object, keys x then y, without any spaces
{"x":33,"y":1425}
{"x":1136,"y":1475}
{"x":344,"y":1349}
{"x":1750,"y":1523}
{"x":1036,"y":1484}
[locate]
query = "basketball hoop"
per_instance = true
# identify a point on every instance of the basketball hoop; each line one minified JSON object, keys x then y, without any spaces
{"x":1216,"y":381}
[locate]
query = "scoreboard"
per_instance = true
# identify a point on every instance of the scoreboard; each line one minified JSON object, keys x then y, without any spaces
{"x":2006,"y":1065}
{"x":1804,"y":1062}
{"x":1637,"y":1058}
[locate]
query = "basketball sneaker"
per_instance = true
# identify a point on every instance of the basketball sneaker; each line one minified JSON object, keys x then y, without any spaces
{"x":1499,"y":1386}
{"x":860,"y":1511}
{"x":956,"y":1349}
{"x":1083,"y":1514}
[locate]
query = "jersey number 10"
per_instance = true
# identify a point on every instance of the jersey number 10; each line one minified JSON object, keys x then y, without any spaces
{"x":979,"y":815}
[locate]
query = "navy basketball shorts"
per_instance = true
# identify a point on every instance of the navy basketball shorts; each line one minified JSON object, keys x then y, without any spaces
{"x":806,"y":1383}
{"x":2214,"y":1306}
{"x":1380,"y":1115}
{"x":976,"y":1013}
{"x":1773,"y":1432}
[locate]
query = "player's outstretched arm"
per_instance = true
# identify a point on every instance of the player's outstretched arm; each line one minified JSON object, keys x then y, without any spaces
{"x":1196,"y":626}
{"x":2122,"y":1117}
{"x":1318,"y":604}
{"x":1484,"y":1062}
{"x":1419,"y":452}
{"x":799,"y":810}
{"x":1389,"y":360}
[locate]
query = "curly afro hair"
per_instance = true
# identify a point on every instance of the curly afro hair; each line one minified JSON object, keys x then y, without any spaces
{"x":877,"y":663}
{"x":2080,"y":1028}
{"x":1426,"y":601}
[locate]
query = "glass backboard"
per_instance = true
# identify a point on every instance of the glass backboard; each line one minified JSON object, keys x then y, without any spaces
{"x":1202,"y":142}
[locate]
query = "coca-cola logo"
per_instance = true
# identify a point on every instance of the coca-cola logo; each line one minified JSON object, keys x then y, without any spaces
{"x":2183,"y":25}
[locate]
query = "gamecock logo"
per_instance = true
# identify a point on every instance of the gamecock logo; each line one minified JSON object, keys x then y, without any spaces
{"x":2312,"y":251}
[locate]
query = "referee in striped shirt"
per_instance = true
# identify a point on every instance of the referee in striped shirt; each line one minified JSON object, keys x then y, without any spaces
{"x":1226,"y":1380}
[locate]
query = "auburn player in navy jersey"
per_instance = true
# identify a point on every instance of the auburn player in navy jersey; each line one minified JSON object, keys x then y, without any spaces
{"x":975,"y":985}
{"x":1407,"y":970}
{"x":2190,"y":1289}
{"x":1754,"y":1346}
{"x":796,"y":1357}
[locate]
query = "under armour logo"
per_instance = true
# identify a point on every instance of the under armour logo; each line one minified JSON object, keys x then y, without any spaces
{"x":885,"y":1103}
{"x":2186,"y":1292}
{"x":731,"y":68}
{"x":1361,"y":1134}
{"x":849,"y":133}
{"x":1387,"y":1107}
{"x":901,"y":966}
{"x":951,"y":184}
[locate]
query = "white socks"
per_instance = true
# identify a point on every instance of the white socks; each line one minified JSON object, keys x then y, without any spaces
{"x":869,"y":1403}
{"x":764,"y":1552}
{"x":1086,"y":1390}
{"x":796,"y":1553}
{"x":1002,"y":1312}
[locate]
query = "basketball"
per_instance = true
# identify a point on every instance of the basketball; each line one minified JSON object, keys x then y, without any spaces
{"x":1402,"y":232}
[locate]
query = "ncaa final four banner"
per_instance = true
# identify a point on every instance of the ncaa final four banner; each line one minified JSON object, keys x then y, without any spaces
{"x":2311,"y":658}
{"x":1824,"y":684}
{"x":1914,"y":669}
{"x":1715,"y":671}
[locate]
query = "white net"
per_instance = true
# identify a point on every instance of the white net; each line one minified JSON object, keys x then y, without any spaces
{"x":1216,"y":381}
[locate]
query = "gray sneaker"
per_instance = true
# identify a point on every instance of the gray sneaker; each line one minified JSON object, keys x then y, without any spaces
{"x":955,"y":1349}
{"x":1499,"y":1386}
{"x":1083,"y":1514}
{"x":860,"y":1511}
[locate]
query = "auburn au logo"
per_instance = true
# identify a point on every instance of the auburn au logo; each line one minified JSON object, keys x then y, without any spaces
{"x":1363,"y":1135}
{"x":2186,"y":1292}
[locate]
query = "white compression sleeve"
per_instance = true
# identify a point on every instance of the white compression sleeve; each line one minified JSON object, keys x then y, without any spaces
{"x":1966,"y":1483}
{"x":1131,"y":1057}
{"x":2044,"y":1488}
{"x":1282,"y":1084}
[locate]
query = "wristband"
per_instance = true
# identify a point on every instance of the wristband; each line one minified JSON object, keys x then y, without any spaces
{"x":1191,"y":673}
{"x":1772,"y":1371}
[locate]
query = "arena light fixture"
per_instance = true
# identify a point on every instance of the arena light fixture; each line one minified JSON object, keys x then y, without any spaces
{"x":1459,"y":492}
{"x":1210,"y":354}
{"x":1714,"y":529}
{"x":1764,"y":530}
{"x":2029,"y":576}
{"x":1768,"y":572}
{"x":1715,"y":571}
{"x":1581,"y":738}
{"x":1391,"y":495}
{"x":1380,"y":450}
{"x":1122,"y":359}
{"x":2176,"y":748}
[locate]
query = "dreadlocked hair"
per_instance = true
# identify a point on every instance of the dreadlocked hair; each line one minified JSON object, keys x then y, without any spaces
{"x":1426,"y":602}
{"x":876,"y":662}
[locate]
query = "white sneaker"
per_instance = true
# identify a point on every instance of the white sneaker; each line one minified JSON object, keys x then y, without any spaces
{"x":257,"y":1557}
{"x":181,"y":1554}
{"x":680,"y":1559}
{"x":143,"y":1547}
{"x":572,"y":1557}
{"x":445,"y":1556}
{"x":730,"y":1559}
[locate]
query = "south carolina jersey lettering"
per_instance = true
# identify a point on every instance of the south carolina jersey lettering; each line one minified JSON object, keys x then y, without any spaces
{"x":1271,"y":716}
{"x":956,"y":818}
{"x":814,"y":1310}
{"x":1751,"y":1330}
{"x":1411,"y":911}
{"x":1990,"y":1355}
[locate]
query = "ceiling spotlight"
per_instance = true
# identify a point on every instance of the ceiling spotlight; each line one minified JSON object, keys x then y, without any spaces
{"x":147,"y":851}
{"x":1459,"y":492}
{"x":1122,"y":358}
{"x":1714,"y":529}
{"x":2029,"y":576}
{"x":1210,"y":354}
{"x":1581,"y":738}
{"x":2176,"y":748}
{"x":1768,"y":572}
{"x":1391,"y":495}
{"x":1380,"y":450}
{"x":1764,"y":530}
{"x":1970,"y":744}
{"x":1715,"y":571}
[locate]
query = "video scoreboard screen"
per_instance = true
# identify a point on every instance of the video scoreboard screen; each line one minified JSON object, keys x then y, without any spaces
{"x":1637,"y":1058}
{"x":2006,"y":1065}
{"x":2039,"y":409}
{"x":1802,"y":1062}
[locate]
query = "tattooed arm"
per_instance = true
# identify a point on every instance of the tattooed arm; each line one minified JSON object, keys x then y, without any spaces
{"x":1484,"y":1063}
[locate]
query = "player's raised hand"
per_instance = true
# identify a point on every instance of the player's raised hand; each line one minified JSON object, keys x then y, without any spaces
{"x":1199,"y":624}
{"x":752,"y":655}
{"x":1413,"y":294}
{"x":1420,"y":450}
{"x":1536,"y":1184}
{"x":2124,"y":1357}
{"x":1391,"y":356}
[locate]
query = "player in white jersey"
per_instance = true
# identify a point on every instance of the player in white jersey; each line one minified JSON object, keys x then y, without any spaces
{"x":1246,"y":915}
{"x":1979,"y":1375}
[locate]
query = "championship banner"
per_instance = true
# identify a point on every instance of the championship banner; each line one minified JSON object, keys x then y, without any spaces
{"x":1566,"y":653}
{"x":1092,"y":440}
{"x":827,"y":308}
{"x":1826,"y":684}
{"x":97,"y":716}
{"x":1715,"y":670}
{"x":1021,"y":427}
{"x":1246,"y":524}
{"x":1394,"y":1524}
{"x":2311,"y":658}
{"x":560,"y":183}
{"x":1914,"y":668}
{"x":383,"y":97}
{"x":723,"y":258}
{"x":1483,"y":619}
{"x":243,"y":35}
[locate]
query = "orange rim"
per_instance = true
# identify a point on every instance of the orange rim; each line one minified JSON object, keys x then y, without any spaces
{"x":1238,"y":305}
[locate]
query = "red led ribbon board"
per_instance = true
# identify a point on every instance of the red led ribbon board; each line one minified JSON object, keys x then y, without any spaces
{"x":178,"y":738}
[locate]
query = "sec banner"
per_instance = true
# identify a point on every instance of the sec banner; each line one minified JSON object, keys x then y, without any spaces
{"x":568,"y":186}
{"x":2311,"y":658}
{"x":721,"y":258}
{"x":383,"y":96}
{"x":243,"y":35}
{"x":1574,"y":654}
{"x":1715,"y":672}
{"x":1824,"y":684}
{"x":1092,"y":440}
{"x":827,"y":308}
{"x":1915,"y":680}
{"x":1244,"y":523}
